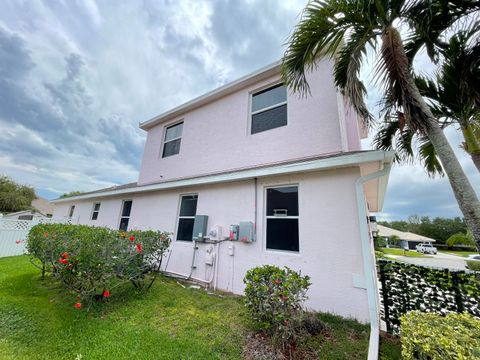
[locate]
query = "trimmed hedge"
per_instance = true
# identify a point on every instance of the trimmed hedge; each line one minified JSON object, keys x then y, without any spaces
{"x":407,"y":287}
{"x":436,"y":337}
{"x":91,"y":261}
{"x":473,"y":265}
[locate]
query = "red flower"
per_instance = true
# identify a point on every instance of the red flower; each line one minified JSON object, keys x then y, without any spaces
{"x":284,"y":298}
{"x":64,"y":255}
{"x":18,"y":241}
{"x":286,"y":322}
{"x":139,"y":248}
{"x":63,"y":261}
{"x":45,"y":234}
{"x":277,"y":281}
{"x":78,"y":305}
{"x":132,"y":238}
{"x":106,"y":293}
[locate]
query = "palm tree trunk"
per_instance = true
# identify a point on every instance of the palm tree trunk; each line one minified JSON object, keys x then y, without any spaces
{"x":472,"y":142}
{"x":476,"y":160}
{"x":462,"y":189}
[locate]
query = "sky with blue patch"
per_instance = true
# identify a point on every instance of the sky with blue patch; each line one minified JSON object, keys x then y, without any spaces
{"x":77,"y":76}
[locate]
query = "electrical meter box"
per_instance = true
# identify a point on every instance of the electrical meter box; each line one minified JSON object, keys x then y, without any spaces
{"x":245,"y":231}
{"x":200,"y":227}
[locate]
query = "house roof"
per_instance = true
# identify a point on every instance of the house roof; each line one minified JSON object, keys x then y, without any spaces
{"x":408,"y":236}
{"x":317,"y":163}
{"x":43,"y":205}
{"x":252,"y":78}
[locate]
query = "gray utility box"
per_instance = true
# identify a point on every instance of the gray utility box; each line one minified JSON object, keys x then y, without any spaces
{"x":200,"y":227}
{"x":245,"y":232}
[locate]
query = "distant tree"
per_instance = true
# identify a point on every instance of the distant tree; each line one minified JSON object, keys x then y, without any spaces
{"x":439,"y":228}
{"x":461,"y":239}
{"x":394,"y":240}
{"x":14,"y":197}
{"x":71,"y":193}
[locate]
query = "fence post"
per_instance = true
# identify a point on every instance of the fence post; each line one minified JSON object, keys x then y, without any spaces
{"x":383,"y":281}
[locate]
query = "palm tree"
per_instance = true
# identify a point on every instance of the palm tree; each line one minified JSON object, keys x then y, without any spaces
{"x":454,"y":98}
{"x":346,"y":29}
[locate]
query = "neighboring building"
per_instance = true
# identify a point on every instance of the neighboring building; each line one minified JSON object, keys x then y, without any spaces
{"x":288,"y":170}
{"x":407,"y":240}
{"x":43,"y":206}
{"x":40,"y":209}
{"x":24,"y":215}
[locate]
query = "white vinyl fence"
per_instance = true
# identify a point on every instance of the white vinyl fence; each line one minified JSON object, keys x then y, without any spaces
{"x":13,"y":234}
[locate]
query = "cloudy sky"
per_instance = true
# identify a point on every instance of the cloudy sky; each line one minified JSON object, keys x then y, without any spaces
{"x":76,"y":77}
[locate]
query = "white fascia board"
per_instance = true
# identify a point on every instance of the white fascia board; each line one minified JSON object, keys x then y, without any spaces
{"x":298,"y":167}
{"x":383,"y":182}
{"x":233,"y":86}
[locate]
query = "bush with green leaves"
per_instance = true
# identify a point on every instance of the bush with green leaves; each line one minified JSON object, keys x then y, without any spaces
{"x":274,"y":298}
{"x":92,"y":261}
{"x":461,"y":239}
{"x":473,"y":265}
{"x":436,"y":337}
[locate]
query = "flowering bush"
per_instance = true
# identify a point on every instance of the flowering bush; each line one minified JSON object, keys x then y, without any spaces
{"x":274,"y":299}
{"x":91,"y":261}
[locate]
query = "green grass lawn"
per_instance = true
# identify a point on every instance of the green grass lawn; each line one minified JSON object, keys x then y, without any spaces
{"x":400,"y":252}
{"x":38,"y":321}
{"x":458,"y":253}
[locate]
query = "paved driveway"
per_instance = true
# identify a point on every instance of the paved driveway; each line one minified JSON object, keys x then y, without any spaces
{"x":439,"y":260}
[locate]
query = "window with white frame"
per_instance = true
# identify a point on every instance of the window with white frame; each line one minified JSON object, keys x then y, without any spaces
{"x":95,"y":211}
{"x":70,"y":213}
{"x":282,"y":218}
{"x":171,"y":142}
{"x":269,"y":109}
{"x":186,"y":217}
{"x":125,"y":214}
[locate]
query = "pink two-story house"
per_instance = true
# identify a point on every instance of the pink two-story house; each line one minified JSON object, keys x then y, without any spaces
{"x":251,"y":174}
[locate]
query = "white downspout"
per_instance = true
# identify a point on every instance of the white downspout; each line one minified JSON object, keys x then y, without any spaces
{"x":369,"y":262}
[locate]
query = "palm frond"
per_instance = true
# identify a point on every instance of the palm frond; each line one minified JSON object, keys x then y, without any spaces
{"x":428,"y":157}
{"x":429,"y":20}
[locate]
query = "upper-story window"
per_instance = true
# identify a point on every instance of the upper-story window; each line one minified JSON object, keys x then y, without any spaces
{"x":173,"y":137}
{"x":269,"y":109}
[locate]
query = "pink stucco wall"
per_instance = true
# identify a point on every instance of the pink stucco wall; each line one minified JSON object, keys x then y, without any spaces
{"x":216,"y":136}
{"x":330,"y":247}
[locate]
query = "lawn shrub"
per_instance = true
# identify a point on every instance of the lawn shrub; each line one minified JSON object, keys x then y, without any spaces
{"x":275,"y":298}
{"x":436,"y":337}
{"x":473,"y":265}
{"x":91,"y":261}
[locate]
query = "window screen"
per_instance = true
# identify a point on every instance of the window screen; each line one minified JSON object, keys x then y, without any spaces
{"x":269,"y":109}
{"x":125,"y":215}
{"x":173,"y":137}
{"x":186,"y":218}
{"x":282,"y":218}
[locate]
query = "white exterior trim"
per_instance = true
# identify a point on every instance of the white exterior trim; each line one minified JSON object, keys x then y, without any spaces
{"x":303,"y":166}
{"x":263,"y":73}
{"x":369,"y":261}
